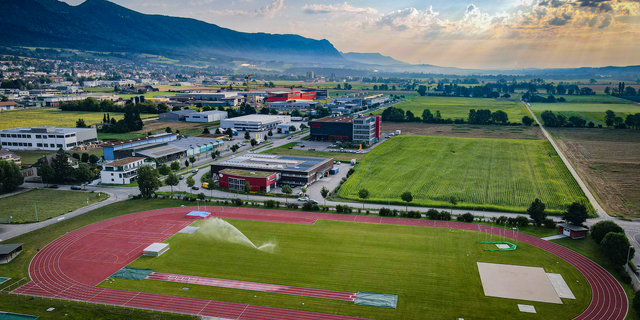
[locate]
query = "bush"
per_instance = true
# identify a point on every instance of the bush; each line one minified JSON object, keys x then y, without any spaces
{"x":315,"y":207}
{"x":292,"y":205}
{"x":414,"y":214}
{"x":385,"y":212}
{"x":444,"y":215}
{"x":270,"y":203}
{"x":600,"y":230}
{"x":635,"y":303}
{"x":307,"y":206}
{"x":616,"y":247}
{"x":549,"y":223}
{"x":467,"y":217}
{"x":432,"y":214}
{"x":522,"y":221}
{"x":237,"y":201}
{"x":460,"y":218}
{"x":622,"y":272}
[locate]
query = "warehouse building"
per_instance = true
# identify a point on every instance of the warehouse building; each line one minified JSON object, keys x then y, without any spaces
{"x":347,"y":129}
{"x":255,"y":122}
{"x":112,"y":150}
{"x":166,"y":150}
{"x":307,"y":94}
{"x":175,"y":115}
{"x":289,"y":106}
{"x":46,"y":138}
{"x":206,"y":116}
{"x":294,"y":171}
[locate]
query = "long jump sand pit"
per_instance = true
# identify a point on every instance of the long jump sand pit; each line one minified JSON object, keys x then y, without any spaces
{"x":517,"y":282}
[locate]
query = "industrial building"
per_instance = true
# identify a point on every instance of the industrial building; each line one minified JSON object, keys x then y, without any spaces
{"x":347,"y":129}
{"x":293,"y":171}
{"x":123,"y":171}
{"x":162,"y":147}
{"x":46,"y":138}
{"x":236,"y":179}
{"x":175,"y":115}
{"x":255,"y":122}
{"x":206,"y":116}
{"x":293,"y":105}
{"x":111,"y":150}
{"x":307,"y":94}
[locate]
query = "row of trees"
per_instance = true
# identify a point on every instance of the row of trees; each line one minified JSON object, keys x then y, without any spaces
{"x":93,"y":105}
{"x":480,"y":116}
{"x":631,"y":121}
{"x":551,"y":119}
{"x":621,"y":90}
{"x":614,"y":244}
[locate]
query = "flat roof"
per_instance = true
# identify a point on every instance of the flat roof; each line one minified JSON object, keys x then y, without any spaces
{"x":45,"y":130}
{"x":258,"y":117}
{"x":246,"y":173}
{"x":161,"y":151}
{"x":344,"y":119}
{"x":573,"y":227}
{"x":274,"y":162}
{"x":123,"y":161}
{"x":207,"y":112}
{"x":8,"y":248}
{"x":181,"y":112}
{"x":189,"y":142}
{"x":151,"y":137}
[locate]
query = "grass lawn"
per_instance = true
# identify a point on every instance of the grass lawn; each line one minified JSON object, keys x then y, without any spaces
{"x":147,"y":95}
{"x":119,"y":136}
{"x":18,"y":268}
{"x":427,"y":268}
{"x":454,"y":107}
{"x":50,"y":204}
{"x":588,"y":111}
{"x":31,"y":156}
{"x":338,"y":156}
{"x":491,"y":174}
{"x":53,"y":117}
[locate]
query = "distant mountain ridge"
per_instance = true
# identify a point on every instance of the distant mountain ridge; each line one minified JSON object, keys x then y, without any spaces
{"x":103,"y":25}
{"x":372,"y":58}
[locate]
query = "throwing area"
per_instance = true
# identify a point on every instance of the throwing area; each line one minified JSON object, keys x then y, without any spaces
{"x":517,"y":282}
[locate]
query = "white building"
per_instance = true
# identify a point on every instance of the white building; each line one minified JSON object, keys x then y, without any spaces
{"x":293,"y":105}
{"x":123,"y":171}
{"x":255,"y":122}
{"x":46,"y":138}
{"x":206,"y":116}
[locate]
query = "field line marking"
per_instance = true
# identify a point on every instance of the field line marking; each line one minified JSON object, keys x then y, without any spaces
{"x":205,"y":306}
{"x":124,"y":304}
{"x":243,"y":310}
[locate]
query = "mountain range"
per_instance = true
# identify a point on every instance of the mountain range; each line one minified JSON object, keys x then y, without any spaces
{"x":101,"y":25}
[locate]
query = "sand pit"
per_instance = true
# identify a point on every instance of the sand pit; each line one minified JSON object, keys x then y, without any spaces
{"x":517,"y":282}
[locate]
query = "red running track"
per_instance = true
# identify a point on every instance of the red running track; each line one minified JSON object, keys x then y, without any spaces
{"x":254,"y":286}
{"x":71,"y":266}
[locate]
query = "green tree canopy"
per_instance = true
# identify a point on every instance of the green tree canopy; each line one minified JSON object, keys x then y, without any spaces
{"x":536,"y":212}
{"x":10,"y":176}
{"x":148,"y":180}
{"x":602,"y":228}
{"x":576,"y":214}
{"x":616,"y":246}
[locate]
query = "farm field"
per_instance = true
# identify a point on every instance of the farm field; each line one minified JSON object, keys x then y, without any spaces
{"x":598,"y":98}
{"x":338,"y":156}
{"x":53,"y":117}
{"x":412,"y":262}
{"x":465,"y":130}
{"x":489,"y":174}
{"x":608,"y":161}
{"x":588,"y":111}
{"x":454,"y":107}
{"x":50,"y":204}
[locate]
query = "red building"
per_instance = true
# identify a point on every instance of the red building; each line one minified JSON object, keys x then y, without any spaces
{"x":283,"y":96}
{"x":573,"y":231}
{"x":235,"y":179}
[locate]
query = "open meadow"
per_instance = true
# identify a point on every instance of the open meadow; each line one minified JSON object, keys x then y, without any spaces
{"x":465,"y":130}
{"x":338,"y":156}
{"x":48,"y":203}
{"x":414,"y":263}
{"x":455,"y":107}
{"x":53,"y":117}
{"x":491,"y":174}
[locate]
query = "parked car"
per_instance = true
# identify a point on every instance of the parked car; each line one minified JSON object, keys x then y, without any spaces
{"x":76,"y":188}
{"x":194,"y":171}
{"x":290,"y":147}
{"x":181,"y":177}
{"x":303,"y":199}
{"x":302,"y":146}
{"x":312,"y":201}
{"x":195,"y":188}
{"x":54,"y":186}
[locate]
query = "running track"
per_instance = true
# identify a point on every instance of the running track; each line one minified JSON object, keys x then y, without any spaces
{"x":71,"y":266}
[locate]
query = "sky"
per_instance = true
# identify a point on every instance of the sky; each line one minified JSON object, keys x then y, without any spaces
{"x":502,"y":34}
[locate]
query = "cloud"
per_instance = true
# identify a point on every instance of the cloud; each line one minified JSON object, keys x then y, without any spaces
{"x":605,"y":22}
{"x":557,"y":21}
{"x":341,"y":8}
{"x":409,"y":19}
{"x":268,"y":10}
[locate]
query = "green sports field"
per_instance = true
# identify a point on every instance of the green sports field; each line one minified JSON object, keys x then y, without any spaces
{"x":53,"y":117}
{"x":491,"y":174}
{"x":588,"y":111}
{"x":454,"y":107}
{"x":433,"y":271}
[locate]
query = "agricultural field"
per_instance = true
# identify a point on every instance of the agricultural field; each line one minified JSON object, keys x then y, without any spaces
{"x":53,"y":117}
{"x":338,"y":156}
{"x":454,"y":107}
{"x":414,"y":263}
{"x":485,"y":174}
{"x":608,"y":161}
{"x":588,"y":111}
{"x":49,"y":203}
{"x":598,"y":98}
{"x":465,"y":130}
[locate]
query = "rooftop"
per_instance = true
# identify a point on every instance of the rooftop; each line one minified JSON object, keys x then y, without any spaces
{"x":124,"y":161}
{"x":4,"y":152}
{"x":345,"y":119}
{"x":189,"y":142}
{"x":151,"y":137}
{"x":573,"y":227}
{"x":45,"y":130}
{"x":275,"y":162}
{"x":8,"y":103}
{"x":259,"y":117}
{"x":161,"y":151}
{"x":181,"y":112}
{"x":8,"y":248}
{"x":246,"y":173}
{"x":211,"y":112}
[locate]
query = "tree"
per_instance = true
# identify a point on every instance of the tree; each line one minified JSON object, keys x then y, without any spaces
{"x":247,"y":136}
{"x":527,"y":121}
{"x":266,"y":137}
{"x":172,"y":180}
{"x":270,"y":133}
{"x":10,"y":176}
{"x":324,"y":192}
{"x":190,"y":182}
{"x":234,"y":148}
{"x":453,"y":201}
{"x":93,"y":159}
{"x":536,"y":212}
{"x":201,"y":196}
{"x":218,"y":131}
{"x":286,"y":189}
{"x":83,"y":174}
{"x":85,"y":157}
{"x":192,"y":159}
{"x":304,"y":190}
{"x":186,"y":163}
{"x":616,"y":247}
{"x":406,"y":197}
{"x":164,"y":169}
{"x":609,"y":118}
{"x":292,"y":128}
{"x":46,"y":173}
{"x":635,"y":304}
{"x":576,"y":214}
{"x":168,"y":130}
{"x":247,"y":187}
{"x":363,"y":194}
{"x":229,"y":132}
{"x":61,"y":166}
{"x":602,"y":228}
{"x":81,"y":124}
{"x":254,"y":142}
{"x":422,"y":90}
{"x":205,"y":130}
{"x":148,"y":180}
{"x":175,"y":166}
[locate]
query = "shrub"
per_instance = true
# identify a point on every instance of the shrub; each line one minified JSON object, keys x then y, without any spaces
{"x":522,"y":221}
{"x":600,"y":230}
{"x":460,"y":218}
{"x":635,"y":303}
{"x":307,"y":206}
{"x":237,"y":201}
{"x":549,"y":223}
{"x":616,"y":247}
{"x":444,"y":215}
{"x":501,"y":220}
{"x":292,"y":205}
{"x":433,"y":214}
{"x":270,"y":203}
{"x":467,"y":217}
{"x":315,"y":207}
{"x":385,"y":212}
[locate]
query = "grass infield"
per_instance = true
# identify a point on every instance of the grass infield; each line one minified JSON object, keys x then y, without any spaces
{"x":49,"y":203}
{"x":433,"y":271}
